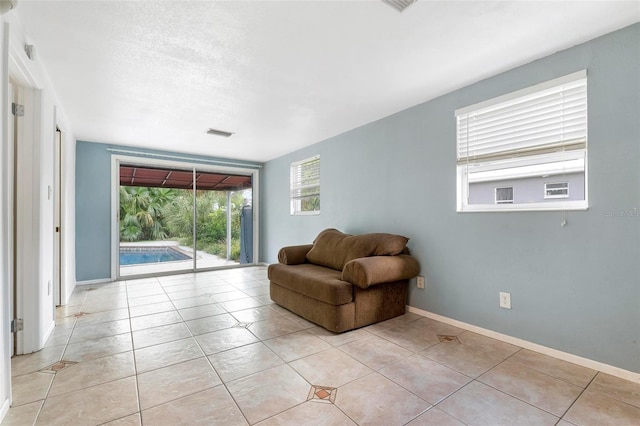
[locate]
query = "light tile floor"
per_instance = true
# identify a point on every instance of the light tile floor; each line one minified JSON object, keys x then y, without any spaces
{"x":211,"y":348}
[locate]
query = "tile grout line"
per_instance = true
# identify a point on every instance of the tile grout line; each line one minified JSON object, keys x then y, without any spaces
{"x":550,"y":375}
{"x":46,"y":396}
{"x":214,"y":369}
{"x":133,"y":352}
{"x":473,"y":379}
{"x":202,"y":351}
{"x":420,"y":413}
{"x":414,"y":353}
{"x":476,"y":379}
{"x":449,"y":396}
{"x":579,"y":395}
{"x":262,"y":341}
{"x":515,"y":397}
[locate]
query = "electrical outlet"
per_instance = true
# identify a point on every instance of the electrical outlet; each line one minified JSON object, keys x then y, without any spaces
{"x":420,"y":282}
{"x":505,"y":300}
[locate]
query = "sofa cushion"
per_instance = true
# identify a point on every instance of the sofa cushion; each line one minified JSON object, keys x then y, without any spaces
{"x":315,"y":281}
{"x":368,"y":271}
{"x":334,"y":249}
{"x":293,"y":255}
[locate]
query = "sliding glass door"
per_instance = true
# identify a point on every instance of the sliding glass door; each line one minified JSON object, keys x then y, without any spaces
{"x":176,"y":219}
{"x":220,"y":200}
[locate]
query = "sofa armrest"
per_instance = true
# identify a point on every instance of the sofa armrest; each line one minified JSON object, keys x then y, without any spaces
{"x":294,"y":255}
{"x":367,"y":271}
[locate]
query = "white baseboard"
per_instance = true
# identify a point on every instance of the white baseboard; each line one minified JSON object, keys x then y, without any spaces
{"x":4,"y":409}
{"x":564,"y":356}
{"x":98,"y":281}
{"x":47,"y":334}
{"x":68,"y":295}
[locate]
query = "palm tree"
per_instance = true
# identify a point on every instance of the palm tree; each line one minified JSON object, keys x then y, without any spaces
{"x":130,"y":225}
{"x":141,"y":212}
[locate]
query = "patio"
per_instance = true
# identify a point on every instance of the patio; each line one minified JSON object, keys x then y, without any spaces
{"x":203,"y":260}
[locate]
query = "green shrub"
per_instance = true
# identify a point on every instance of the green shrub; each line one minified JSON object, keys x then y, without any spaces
{"x":175,"y":219}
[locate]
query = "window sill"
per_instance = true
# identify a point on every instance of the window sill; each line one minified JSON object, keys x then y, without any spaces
{"x":313,"y":213}
{"x":533,"y":207}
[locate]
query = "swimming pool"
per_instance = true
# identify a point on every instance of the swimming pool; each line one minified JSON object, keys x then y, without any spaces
{"x":137,"y":255}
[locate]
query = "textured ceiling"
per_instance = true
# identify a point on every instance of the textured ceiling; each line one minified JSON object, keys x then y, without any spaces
{"x":282,"y":74}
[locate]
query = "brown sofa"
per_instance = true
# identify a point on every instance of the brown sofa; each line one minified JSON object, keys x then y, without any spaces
{"x":342,"y":281}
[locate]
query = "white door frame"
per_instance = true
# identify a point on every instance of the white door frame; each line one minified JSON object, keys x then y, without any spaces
{"x":32,"y":292}
{"x":6,"y":239}
{"x":10,"y":209}
{"x":23,"y":246}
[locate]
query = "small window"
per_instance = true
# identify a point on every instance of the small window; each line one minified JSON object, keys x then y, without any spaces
{"x":556,"y":190}
{"x":305,"y":186}
{"x":523,"y":140}
{"x":504,"y":195}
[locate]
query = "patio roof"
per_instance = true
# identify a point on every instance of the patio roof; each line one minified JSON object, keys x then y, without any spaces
{"x":154,"y":177}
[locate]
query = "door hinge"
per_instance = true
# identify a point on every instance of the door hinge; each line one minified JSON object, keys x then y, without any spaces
{"x":57,"y":229}
{"x":17,"y":324}
{"x":17,"y":109}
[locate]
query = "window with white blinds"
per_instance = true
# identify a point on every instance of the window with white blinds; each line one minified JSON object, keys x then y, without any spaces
{"x":521,"y":139}
{"x":305,"y":186}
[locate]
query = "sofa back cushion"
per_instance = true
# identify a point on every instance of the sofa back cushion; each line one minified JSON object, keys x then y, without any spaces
{"x":334,"y":249}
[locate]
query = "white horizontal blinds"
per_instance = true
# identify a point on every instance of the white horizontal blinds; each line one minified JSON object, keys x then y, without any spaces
{"x":305,"y":179}
{"x":533,"y":121}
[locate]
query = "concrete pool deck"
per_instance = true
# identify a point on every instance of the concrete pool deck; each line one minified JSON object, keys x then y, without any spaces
{"x":203,"y":260}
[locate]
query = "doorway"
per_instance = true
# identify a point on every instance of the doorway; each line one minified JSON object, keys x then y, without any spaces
{"x":31,"y":219}
{"x":176,"y":218}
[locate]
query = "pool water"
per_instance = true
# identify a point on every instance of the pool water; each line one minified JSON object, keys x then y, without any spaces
{"x":137,"y":255}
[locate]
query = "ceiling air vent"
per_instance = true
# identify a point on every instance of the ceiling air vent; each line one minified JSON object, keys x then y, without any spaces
{"x":219,"y":133}
{"x":399,"y":5}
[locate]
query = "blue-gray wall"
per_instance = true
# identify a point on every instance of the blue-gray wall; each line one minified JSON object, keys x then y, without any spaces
{"x":93,"y":204}
{"x":574,"y":288}
{"x":93,"y":211}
